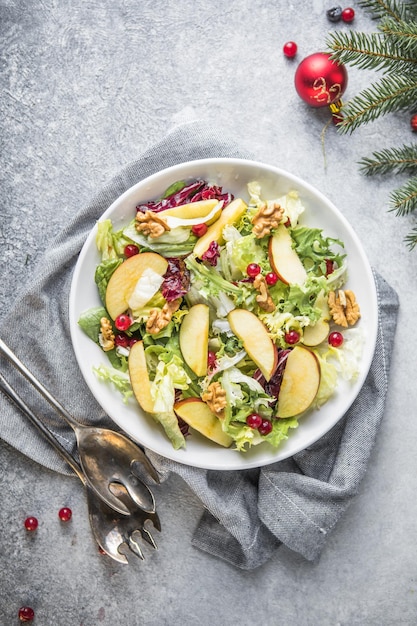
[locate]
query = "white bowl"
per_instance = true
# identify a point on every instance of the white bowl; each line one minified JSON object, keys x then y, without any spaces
{"x":233,"y":175}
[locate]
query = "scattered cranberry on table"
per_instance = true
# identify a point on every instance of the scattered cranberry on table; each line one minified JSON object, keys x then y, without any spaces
{"x":26,"y":614}
{"x":31,"y":523}
{"x":290,"y":49}
{"x":348,"y":15}
{"x":413,"y":123}
{"x":65,"y":514}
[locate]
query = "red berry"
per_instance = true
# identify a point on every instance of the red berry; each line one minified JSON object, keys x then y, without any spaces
{"x":265,"y":427}
{"x":211,"y":359}
{"x":122,"y":322}
{"x":292,"y":337}
{"x":253,"y":270}
{"x":335,"y":339}
{"x":329,"y":267}
{"x":413,"y":123}
{"x":290,"y":49}
{"x":199,"y":229}
{"x":254,"y":420}
{"x":348,"y":15}
{"x":132,"y":341}
{"x":131,"y":250}
{"x":31,"y":523}
{"x":65,"y":514}
{"x":26,"y":614}
{"x":271,"y":279}
{"x":122,"y":341}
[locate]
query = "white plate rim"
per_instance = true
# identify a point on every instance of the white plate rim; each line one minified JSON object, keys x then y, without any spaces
{"x":210,"y":456}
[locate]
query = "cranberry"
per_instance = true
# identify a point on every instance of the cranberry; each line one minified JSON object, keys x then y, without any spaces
{"x":329,"y":267}
{"x":131,"y":250}
{"x":271,"y":279}
{"x":211,"y":359}
{"x":292,"y":337}
{"x":290,"y":49}
{"x":123,"y":322}
{"x":132,"y":341}
{"x":26,"y":614}
{"x":199,"y":229}
{"x":335,"y":339}
{"x":122,"y":341}
{"x":65,"y":514}
{"x":31,"y":523}
{"x":265,"y":427}
{"x":254,"y":420}
{"x":348,"y":15}
{"x":253,"y":270}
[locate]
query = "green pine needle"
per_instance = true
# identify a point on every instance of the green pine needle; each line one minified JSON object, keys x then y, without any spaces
{"x":404,"y":200}
{"x":411,"y":239}
{"x":372,"y":51}
{"x":390,"y":160}
{"x":386,"y":8}
{"x":391,"y":93}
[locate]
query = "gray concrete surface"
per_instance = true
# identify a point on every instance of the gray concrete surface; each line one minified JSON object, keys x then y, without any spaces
{"x":87,"y":87}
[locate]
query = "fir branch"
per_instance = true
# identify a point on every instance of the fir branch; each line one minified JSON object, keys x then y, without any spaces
{"x":404,"y":200}
{"x":391,"y":93}
{"x":402,"y":35}
{"x":371,"y":51}
{"x":385,"y":8}
{"x":390,"y":160}
{"x":411,"y":239}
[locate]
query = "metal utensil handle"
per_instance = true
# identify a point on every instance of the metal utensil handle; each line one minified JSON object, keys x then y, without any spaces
{"x":34,"y":419}
{"x":5,"y":350}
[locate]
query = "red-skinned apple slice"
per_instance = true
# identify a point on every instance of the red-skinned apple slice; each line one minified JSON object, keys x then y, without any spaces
{"x":124,"y":279}
{"x":300,"y":383}
{"x":284,"y":260}
{"x":139,"y":377}
{"x":194,"y":337}
{"x":198,"y":415}
{"x":313,"y":335}
{"x":256,"y":340}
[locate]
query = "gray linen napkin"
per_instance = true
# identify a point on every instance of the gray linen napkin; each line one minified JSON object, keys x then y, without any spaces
{"x":248,"y":513}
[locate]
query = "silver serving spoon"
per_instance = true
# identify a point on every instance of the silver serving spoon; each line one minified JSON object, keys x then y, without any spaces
{"x":111,"y":529}
{"x":106,"y":457}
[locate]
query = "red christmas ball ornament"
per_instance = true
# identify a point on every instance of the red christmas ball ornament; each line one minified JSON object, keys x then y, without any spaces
{"x":320,"y":81}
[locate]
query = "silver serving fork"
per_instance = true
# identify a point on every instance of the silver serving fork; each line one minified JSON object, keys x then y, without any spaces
{"x":112,"y":530}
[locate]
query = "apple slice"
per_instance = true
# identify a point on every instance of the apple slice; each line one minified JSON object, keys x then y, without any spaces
{"x":256,"y":340}
{"x":139,"y":377}
{"x":198,"y":415}
{"x":124,"y":279}
{"x":194,"y":337}
{"x":191,"y":210}
{"x":313,"y":335}
{"x":300,"y":383}
{"x":229,"y":215}
{"x":284,"y":260}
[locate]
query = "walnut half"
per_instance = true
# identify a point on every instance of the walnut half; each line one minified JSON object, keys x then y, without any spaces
{"x":267,"y":217}
{"x":150,"y":224}
{"x":159,"y":318}
{"x":215,"y":398}
{"x":106,"y":337}
{"x":263,"y":299}
{"x":343,"y":307}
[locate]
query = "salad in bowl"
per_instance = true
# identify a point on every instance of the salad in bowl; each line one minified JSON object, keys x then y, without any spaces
{"x":225,"y":315}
